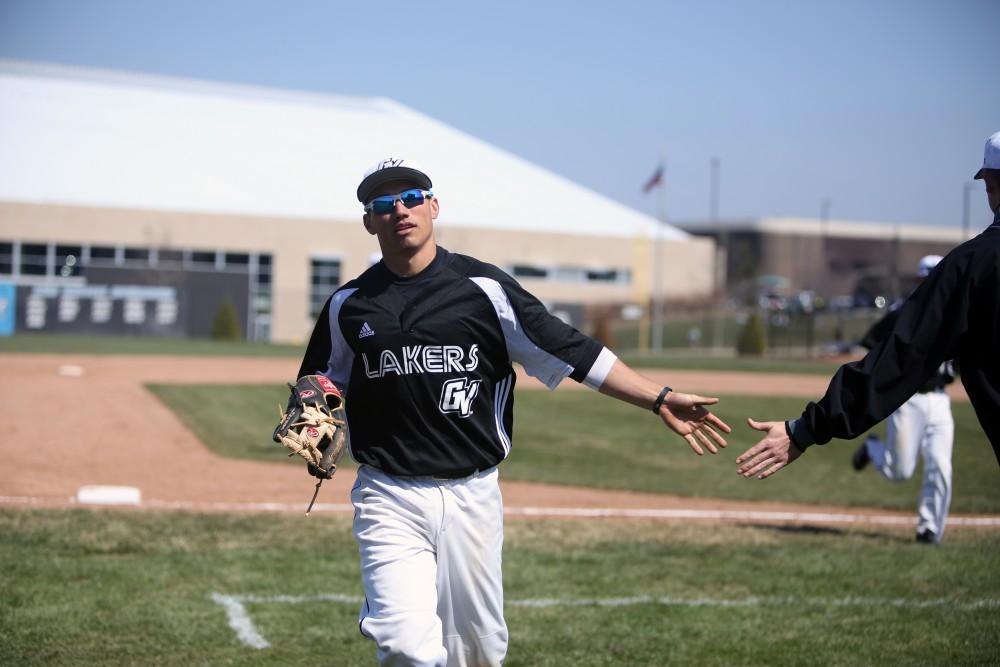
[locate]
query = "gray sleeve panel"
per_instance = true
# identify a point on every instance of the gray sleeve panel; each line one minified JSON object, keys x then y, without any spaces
{"x":537,"y":362}
{"x":338,"y":368}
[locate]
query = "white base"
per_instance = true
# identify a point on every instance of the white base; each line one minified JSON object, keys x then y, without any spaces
{"x":109,"y":495}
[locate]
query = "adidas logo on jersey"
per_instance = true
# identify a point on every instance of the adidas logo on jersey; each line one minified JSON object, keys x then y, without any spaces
{"x":366,"y":331}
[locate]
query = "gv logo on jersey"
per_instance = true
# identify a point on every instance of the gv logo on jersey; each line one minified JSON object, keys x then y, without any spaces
{"x":457,"y":396}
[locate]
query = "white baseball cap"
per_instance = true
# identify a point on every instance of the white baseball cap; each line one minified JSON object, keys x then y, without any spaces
{"x":927,"y":264}
{"x":391,"y":169}
{"x":991,"y":154}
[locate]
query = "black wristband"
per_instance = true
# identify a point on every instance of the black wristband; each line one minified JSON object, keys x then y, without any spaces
{"x":659,"y":399}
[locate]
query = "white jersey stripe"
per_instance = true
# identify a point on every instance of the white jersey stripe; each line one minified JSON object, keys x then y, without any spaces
{"x":338,"y":369}
{"x":498,"y":401}
{"x":538,"y":363}
{"x":499,"y":405}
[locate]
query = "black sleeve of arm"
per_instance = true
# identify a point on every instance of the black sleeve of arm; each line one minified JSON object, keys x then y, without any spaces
{"x":547,"y":348}
{"x":551,"y":334}
{"x":927,"y":331}
{"x":880,"y":330}
{"x":317,"y":354}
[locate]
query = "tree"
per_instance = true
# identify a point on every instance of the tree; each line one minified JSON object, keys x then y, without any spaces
{"x":226,"y":325}
{"x":751,"y":340}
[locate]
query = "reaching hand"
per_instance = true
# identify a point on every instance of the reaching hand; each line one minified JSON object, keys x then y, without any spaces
{"x":771,"y":454}
{"x":686,"y":415}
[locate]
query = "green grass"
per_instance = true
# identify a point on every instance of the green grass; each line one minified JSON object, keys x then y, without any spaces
{"x":587,"y":439}
{"x":232,"y":420}
{"x":72,"y":344}
{"x":582,"y":438}
{"x":129,"y":588}
{"x":701,"y":362}
{"x":781,"y":330}
{"x":79,"y":344}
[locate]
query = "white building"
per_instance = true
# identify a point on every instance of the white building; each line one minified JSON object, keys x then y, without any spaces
{"x":136,"y":196}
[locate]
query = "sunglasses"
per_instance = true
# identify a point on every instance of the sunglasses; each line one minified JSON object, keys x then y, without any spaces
{"x":387,"y":203}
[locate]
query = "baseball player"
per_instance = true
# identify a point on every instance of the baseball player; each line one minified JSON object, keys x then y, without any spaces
{"x":421,"y":346}
{"x":922,"y":425}
{"x":953,"y":314}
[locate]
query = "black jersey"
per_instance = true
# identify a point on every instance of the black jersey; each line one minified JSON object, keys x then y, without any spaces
{"x":425,"y":363}
{"x":953,"y":314}
{"x":879,"y":331}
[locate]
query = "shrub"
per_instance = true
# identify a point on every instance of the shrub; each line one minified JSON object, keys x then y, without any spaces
{"x":751,"y":340}
{"x":226,"y":325}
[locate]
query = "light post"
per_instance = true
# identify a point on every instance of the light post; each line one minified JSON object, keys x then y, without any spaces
{"x":661,"y":199}
{"x":966,"y":189}
{"x":824,"y":223}
{"x":721,"y":252}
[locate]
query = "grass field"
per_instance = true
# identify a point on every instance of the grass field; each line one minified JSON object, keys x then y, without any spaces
{"x":797,"y":330}
{"x":78,"y":344}
{"x":132,"y":588}
{"x":66,"y":344}
{"x":579,"y":437}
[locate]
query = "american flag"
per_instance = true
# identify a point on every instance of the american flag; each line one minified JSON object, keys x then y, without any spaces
{"x":655,"y":181}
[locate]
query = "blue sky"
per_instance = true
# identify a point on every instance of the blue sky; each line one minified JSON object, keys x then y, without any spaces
{"x":880,"y":107}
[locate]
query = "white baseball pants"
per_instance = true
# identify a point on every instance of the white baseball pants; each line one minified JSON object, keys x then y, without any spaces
{"x":923,"y":425}
{"x":431,"y":568}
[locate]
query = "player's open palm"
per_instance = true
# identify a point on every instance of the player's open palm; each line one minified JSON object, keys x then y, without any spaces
{"x":772,"y":453}
{"x":687,"y":416}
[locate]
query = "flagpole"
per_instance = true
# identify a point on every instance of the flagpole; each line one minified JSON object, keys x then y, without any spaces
{"x":661,"y":199}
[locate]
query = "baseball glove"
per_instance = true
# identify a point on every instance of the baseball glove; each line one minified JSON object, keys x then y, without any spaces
{"x":314,"y":424}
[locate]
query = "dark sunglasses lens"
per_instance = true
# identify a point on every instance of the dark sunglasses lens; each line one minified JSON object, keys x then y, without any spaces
{"x":412,"y":198}
{"x":383,"y":206}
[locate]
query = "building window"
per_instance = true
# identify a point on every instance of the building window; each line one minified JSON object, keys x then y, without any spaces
{"x":620,"y":276}
{"x":237,"y":259}
{"x":261,"y":301}
{"x":34,"y":259}
{"x":325,"y":279}
{"x":528,"y":271}
{"x":68,"y":260}
{"x":102,"y":254}
{"x":6,"y":257}
{"x":137,"y":256}
{"x":169,"y":256}
{"x":571,"y":274}
{"x":203,"y":258}
{"x":264,"y":272}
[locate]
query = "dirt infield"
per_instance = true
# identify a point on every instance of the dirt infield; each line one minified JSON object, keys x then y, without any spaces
{"x":105,"y":428}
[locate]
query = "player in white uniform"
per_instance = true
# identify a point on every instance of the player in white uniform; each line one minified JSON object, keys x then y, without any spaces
{"x":920,"y":428}
{"x":421,"y":345}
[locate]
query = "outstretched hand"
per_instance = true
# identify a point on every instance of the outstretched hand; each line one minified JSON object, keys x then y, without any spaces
{"x":686,"y":415}
{"x":772,"y":453}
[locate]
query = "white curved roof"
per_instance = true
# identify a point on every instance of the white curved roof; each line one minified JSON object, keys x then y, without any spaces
{"x":98,"y":138}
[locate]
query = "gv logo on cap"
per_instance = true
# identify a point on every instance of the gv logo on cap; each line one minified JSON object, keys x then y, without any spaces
{"x":388,"y":162}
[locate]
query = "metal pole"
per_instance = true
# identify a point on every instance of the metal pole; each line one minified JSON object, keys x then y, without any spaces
{"x":657,"y":338}
{"x":713,"y":204}
{"x":966,"y":189}
{"x":721,"y":252}
{"x":824,"y":221}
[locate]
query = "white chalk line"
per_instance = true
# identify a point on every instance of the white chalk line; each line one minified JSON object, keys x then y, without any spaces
{"x":743,"y":515}
{"x":985,"y":521}
{"x":247,"y":633}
